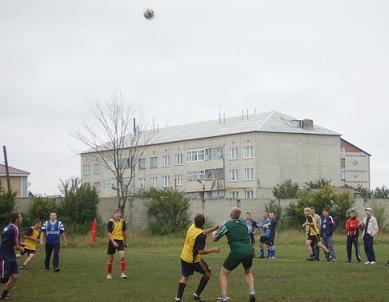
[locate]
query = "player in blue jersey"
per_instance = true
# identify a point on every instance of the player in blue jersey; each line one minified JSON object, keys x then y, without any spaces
{"x":9,"y":272}
{"x":271,"y":235}
{"x":53,"y":230}
{"x":264,"y":237}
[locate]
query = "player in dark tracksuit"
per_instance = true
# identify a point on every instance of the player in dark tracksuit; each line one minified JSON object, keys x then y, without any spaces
{"x":352,"y":228}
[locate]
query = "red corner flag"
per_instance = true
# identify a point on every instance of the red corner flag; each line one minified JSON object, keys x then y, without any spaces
{"x":93,"y":231}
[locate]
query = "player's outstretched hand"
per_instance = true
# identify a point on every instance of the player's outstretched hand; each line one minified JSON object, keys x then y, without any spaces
{"x":215,"y":250}
{"x":115,"y":244}
{"x":126,"y":244}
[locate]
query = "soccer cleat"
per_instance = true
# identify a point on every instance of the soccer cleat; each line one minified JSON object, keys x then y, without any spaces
{"x":123,"y":276}
{"x":252,"y":298}
{"x":367,"y":262}
{"x":57,"y":270}
{"x":220,"y":299}
{"x":373,"y":262}
{"x":198,"y":298}
{"x":109,"y":276}
{"x":177,"y":299}
{"x":22,"y":266}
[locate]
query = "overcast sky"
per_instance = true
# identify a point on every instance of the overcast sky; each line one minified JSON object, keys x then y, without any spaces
{"x":326,"y":60}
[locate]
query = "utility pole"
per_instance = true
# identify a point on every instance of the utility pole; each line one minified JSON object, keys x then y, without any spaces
{"x":6,"y":169}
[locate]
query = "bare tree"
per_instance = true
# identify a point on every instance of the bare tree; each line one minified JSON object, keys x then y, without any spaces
{"x":118,"y":136}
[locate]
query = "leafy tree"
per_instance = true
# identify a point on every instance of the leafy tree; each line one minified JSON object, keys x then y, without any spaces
{"x":79,"y":206}
{"x":7,"y":204}
{"x":169,"y":211}
{"x":286,"y":190}
{"x":316,"y":185}
{"x":40,"y":208}
{"x":381,"y":193}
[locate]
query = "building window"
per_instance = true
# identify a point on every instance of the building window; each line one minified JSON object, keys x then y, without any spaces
{"x":193,"y":195}
{"x":166,"y":181}
{"x":234,"y":153}
{"x":85,"y":170}
{"x":195,"y":155}
{"x":196,"y":175}
{"x":248,"y":173}
{"x":214,"y":153}
{"x":178,"y":159}
{"x":234,"y":175}
{"x":248,"y":152}
{"x":234,"y":194}
{"x":142,"y":163}
{"x":97,"y":169}
{"x":153,"y":182}
{"x":97,"y":186}
{"x":179,"y":180}
{"x":343,"y":169}
{"x":109,"y":184}
{"x":153,"y":162}
{"x":142,"y":183}
{"x":166,"y":161}
{"x":249,"y":194}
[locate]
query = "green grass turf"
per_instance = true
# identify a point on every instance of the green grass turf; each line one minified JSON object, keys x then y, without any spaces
{"x":153,"y":272}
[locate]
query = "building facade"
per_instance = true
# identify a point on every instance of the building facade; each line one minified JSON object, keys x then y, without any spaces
{"x":355,"y":166}
{"x":240,"y":158}
{"x":18,"y":180}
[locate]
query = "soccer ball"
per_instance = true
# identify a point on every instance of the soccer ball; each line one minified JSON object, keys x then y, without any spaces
{"x":148,"y":13}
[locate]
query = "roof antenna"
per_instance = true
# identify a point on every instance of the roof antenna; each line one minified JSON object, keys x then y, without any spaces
{"x":247,"y":113}
{"x":220,"y":117}
{"x":242,"y":115}
{"x":224,"y":117}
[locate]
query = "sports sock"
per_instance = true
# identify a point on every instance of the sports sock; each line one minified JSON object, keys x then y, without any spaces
{"x":202,"y":284}
{"x":224,"y":297}
{"x":251,"y":291}
{"x":122,"y":266}
{"x":109,"y":267}
{"x":180,"y":291}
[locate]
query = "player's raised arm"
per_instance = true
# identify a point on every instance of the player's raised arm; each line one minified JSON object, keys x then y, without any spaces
{"x":210,"y":230}
{"x":222,"y":231}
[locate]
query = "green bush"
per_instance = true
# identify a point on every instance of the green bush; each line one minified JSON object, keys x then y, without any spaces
{"x":79,"y":207}
{"x":7,"y":204}
{"x":337,"y":202}
{"x":286,"y":190}
{"x":168,"y":211}
{"x":40,"y":208}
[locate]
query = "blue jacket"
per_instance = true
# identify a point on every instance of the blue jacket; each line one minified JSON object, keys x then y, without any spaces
{"x":327,"y":226}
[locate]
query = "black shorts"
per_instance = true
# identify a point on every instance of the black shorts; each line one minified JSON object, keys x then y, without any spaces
{"x":112,"y":250}
{"x":28,"y":252}
{"x":267,"y":240}
{"x":188,"y":269}
{"x":263,"y":239}
{"x":314,"y":238}
{"x":7,"y":269}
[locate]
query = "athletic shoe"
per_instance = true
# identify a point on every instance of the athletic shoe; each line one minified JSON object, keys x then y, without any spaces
{"x":198,"y":298}
{"x":109,"y":276}
{"x":6,"y":297}
{"x":252,"y":298}
{"x":57,"y":270}
{"x":387,"y":264}
{"x":333,"y":259}
{"x":219,"y":299}
{"x":177,"y":299}
{"x":367,"y":262}
{"x":373,"y":262}
{"x":123,"y":276}
{"x":22,"y":266}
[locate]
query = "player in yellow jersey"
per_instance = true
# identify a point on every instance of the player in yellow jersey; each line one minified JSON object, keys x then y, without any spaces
{"x":117,"y":242}
{"x":313,"y":236}
{"x":191,"y":260}
{"x":32,"y":238}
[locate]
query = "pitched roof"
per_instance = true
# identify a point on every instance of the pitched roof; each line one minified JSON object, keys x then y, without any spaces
{"x":260,"y":122}
{"x":12,"y":171}
{"x":272,"y":121}
{"x":353,"y":148}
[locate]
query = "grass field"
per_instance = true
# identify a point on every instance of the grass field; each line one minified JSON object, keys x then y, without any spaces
{"x":153,"y":273}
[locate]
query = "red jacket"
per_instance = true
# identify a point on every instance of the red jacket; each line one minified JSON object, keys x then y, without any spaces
{"x":352,"y":226}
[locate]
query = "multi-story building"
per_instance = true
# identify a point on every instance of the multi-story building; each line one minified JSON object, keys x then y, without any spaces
{"x":18,"y":180}
{"x":354,"y":166}
{"x":240,"y":157}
